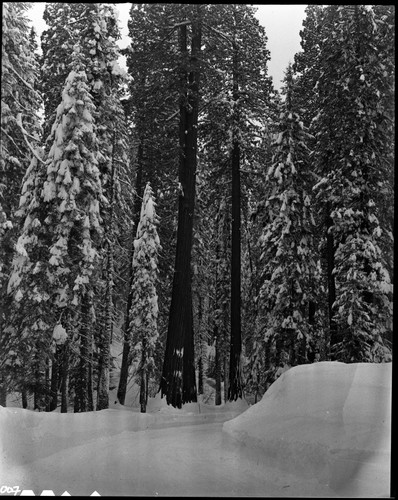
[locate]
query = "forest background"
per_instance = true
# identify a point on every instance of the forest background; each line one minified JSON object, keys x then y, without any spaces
{"x":221,"y":227}
{"x":282,"y":24}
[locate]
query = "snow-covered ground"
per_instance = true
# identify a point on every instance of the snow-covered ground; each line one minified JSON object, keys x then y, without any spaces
{"x":328,"y":421}
{"x":321,"y":430}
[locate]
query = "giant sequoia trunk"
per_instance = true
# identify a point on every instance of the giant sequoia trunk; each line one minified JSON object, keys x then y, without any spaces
{"x":178,"y":382}
{"x":235,"y":388}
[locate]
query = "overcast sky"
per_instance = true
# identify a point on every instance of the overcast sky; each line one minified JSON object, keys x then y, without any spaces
{"x":282,"y":24}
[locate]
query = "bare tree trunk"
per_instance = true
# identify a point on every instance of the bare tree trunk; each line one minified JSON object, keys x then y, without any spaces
{"x":144,"y":377}
{"x":47,"y":386}
{"x":90,"y":395}
{"x":143,"y":387}
{"x":3,"y":384}
{"x":82,"y":380}
{"x":24,"y":398}
{"x":217,"y":361}
{"x":226,"y":379}
{"x":39,"y":391}
{"x":200,"y":375}
{"x":64,"y":378}
{"x":3,"y":395}
{"x":105,"y":344}
{"x":200,"y":358}
{"x":54,"y":380}
{"x":333,"y":333}
{"x":235,"y":385}
{"x":105,"y":354}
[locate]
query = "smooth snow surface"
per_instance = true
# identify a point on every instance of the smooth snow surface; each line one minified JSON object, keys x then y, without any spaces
{"x":321,"y":430}
{"x":330,"y":421}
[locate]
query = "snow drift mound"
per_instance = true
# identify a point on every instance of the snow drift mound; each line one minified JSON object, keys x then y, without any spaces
{"x":330,"y":421}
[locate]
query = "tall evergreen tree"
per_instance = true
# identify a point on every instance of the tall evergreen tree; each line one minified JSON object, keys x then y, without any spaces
{"x":95,"y":29}
{"x":291,"y":266}
{"x":306,"y":64}
{"x":235,"y":376}
{"x":152,"y":110}
{"x":178,"y":381}
{"x":20,"y":134}
{"x":57,"y":251}
{"x":353,"y":156}
{"x":307,"y":70}
{"x":106,"y":80}
{"x":153,"y":61}
{"x":144,"y":307}
{"x":236,"y":92}
{"x":64,"y":22}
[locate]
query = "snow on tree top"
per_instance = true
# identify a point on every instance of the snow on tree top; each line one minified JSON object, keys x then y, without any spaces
{"x":59,"y":334}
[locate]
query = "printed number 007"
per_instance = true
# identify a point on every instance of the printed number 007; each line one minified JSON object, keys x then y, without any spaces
{"x":9,"y":490}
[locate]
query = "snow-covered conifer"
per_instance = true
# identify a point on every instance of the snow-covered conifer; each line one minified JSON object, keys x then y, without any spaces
{"x":94,"y":28}
{"x":64,"y":23}
{"x":73,"y":190}
{"x":56,"y":254}
{"x":291,"y":269}
{"x":20,"y":132}
{"x":306,"y":64}
{"x":144,"y":308}
{"x":353,"y":158}
{"x":98,"y":42}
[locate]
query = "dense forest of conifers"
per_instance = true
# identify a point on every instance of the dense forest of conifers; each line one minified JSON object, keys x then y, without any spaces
{"x":219,"y":227}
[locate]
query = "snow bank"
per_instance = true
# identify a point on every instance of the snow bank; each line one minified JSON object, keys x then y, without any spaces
{"x":26,"y":435}
{"x":330,"y":421}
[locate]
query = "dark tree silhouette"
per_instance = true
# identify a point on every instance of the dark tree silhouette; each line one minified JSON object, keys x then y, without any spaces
{"x":178,"y":377}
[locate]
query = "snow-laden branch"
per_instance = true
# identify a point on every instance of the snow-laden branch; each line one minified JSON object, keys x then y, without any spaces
{"x":21,"y":106}
{"x":182,"y":23}
{"x":219,"y":33}
{"x":12,"y":140}
{"x":27,"y":84}
{"x":18,"y":121}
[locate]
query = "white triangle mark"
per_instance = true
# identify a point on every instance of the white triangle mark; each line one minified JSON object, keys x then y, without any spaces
{"x":27,"y":493}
